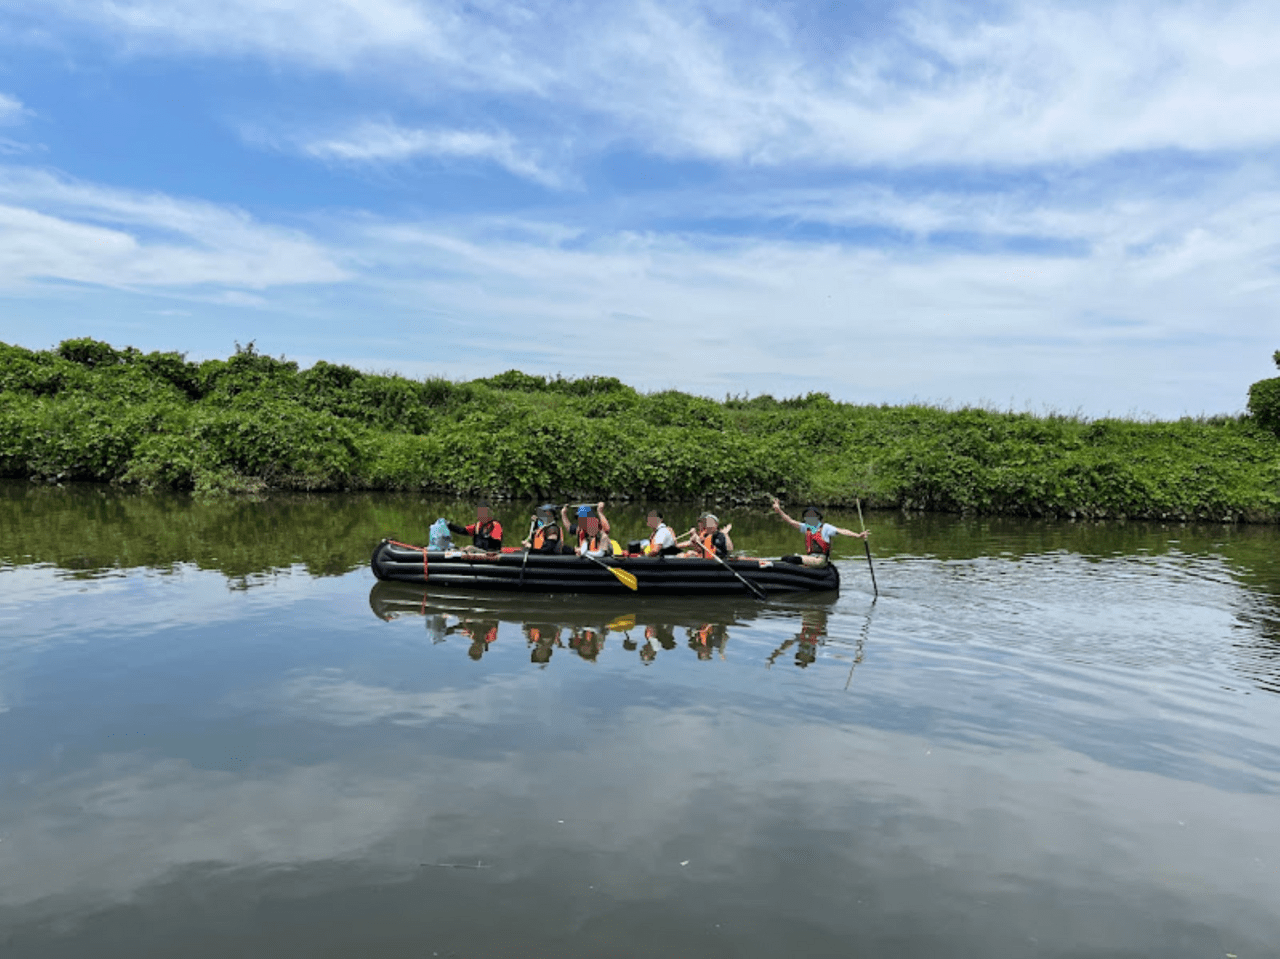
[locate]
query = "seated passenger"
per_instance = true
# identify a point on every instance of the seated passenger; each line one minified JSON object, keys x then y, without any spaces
{"x":710,"y":542}
{"x":698,"y":530}
{"x":592,"y":539}
{"x":546,"y":536}
{"x":662,"y":542}
{"x":485,"y":532}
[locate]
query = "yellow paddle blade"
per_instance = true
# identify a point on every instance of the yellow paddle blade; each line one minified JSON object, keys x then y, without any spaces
{"x":623,"y":623}
{"x":625,"y":578}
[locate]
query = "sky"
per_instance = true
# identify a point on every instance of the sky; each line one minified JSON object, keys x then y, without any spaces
{"x":1033,"y":206}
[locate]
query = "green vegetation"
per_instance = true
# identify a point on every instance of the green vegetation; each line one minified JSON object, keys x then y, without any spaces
{"x":89,"y":412}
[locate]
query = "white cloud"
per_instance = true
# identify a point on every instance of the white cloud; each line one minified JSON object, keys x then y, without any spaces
{"x":943,"y":84}
{"x":57,"y":228}
{"x":386,"y":142}
{"x":11,"y":109}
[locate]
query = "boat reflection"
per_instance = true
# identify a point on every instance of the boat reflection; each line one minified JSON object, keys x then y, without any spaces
{"x":582,"y":625}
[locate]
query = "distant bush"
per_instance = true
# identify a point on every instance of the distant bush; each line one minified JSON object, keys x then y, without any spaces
{"x":251,"y":422}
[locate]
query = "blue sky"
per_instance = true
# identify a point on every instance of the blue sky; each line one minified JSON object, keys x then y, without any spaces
{"x":1069,"y":206}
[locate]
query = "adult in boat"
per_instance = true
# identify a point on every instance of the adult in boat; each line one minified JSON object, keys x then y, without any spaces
{"x":710,"y":542}
{"x":662,"y":542}
{"x":818,"y":536}
{"x":593,"y":537}
{"x":546,"y":536}
{"x":485,"y":532}
{"x":696,"y":532}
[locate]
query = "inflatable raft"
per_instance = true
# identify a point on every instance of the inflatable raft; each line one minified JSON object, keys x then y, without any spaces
{"x":541,"y":573}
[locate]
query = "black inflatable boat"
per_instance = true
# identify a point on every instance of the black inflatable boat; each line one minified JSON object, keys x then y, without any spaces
{"x":542,"y":573}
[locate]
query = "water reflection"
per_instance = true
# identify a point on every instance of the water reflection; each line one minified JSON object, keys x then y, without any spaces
{"x":584,"y":625}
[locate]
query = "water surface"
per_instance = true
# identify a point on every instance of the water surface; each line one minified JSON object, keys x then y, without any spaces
{"x":219,"y":736}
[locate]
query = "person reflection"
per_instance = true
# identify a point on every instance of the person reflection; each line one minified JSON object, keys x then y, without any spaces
{"x":587,"y":641}
{"x":542,"y":640}
{"x":708,"y":638}
{"x":481,"y":632}
{"x":813,"y":632}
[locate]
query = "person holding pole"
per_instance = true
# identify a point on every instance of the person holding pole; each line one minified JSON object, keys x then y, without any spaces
{"x":818,"y":536}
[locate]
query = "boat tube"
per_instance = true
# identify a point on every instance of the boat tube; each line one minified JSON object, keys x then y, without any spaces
{"x":546,"y":573}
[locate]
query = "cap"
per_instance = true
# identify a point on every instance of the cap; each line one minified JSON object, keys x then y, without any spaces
{"x":584,"y":510}
{"x":711,"y":517}
{"x":546,"y":508}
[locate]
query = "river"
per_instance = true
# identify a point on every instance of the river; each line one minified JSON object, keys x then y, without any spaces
{"x":220,"y":736}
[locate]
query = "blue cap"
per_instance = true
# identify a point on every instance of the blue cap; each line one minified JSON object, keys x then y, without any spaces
{"x":584,"y":510}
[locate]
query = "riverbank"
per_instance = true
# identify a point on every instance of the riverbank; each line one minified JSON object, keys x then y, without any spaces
{"x":254,"y":423}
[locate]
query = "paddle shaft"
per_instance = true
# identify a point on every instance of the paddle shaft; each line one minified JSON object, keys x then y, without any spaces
{"x":867,"y":547}
{"x":524,"y":562}
{"x":760,"y":593}
{"x":623,"y":577}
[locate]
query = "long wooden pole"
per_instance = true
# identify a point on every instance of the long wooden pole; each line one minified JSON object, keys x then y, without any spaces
{"x":867,"y":547}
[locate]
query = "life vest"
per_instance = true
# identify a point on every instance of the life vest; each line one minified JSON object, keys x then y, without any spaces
{"x":541,"y":537}
{"x":482,"y":536}
{"x":704,"y":543}
{"x":654,"y":548}
{"x":600,"y":542}
{"x":814,"y":544}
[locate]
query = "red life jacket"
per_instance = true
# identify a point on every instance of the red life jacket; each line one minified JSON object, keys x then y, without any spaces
{"x":483,"y":536}
{"x":814,"y":543}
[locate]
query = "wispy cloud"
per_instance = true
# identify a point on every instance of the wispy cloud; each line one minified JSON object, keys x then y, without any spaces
{"x":11,"y":109}
{"x":1013,"y":84}
{"x":386,"y":142}
{"x":58,"y":228}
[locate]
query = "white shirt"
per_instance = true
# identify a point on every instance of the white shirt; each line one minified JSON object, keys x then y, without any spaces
{"x":663,"y":537}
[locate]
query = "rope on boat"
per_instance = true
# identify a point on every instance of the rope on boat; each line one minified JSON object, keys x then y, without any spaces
{"x":420,"y":549}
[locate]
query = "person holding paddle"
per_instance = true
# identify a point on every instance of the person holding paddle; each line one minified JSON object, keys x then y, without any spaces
{"x":592,"y":539}
{"x":818,"y":536}
{"x":710,"y":542}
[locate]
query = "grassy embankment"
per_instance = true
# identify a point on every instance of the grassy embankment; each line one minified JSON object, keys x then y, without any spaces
{"x":88,"y":412}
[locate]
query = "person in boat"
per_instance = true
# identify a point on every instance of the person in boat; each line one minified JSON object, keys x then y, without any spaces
{"x":571,"y":527}
{"x":485,"y":532}
{"x":818,"y":536}
{"x":593,"y":535}
{"x":697,"y":531}
{"x":547,"y":534}
{"x":662,"y":541}
{"x":709,"y":542}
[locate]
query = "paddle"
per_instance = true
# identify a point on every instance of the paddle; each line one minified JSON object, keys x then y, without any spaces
{"x":760,"y":593}
{"x":532,"y":523}
{"x":867,"y":547}
{"x":625,"y":578}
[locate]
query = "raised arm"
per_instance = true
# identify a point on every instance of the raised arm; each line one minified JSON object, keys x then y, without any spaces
{"x":777,"y":508}
{"x":604,"y":523}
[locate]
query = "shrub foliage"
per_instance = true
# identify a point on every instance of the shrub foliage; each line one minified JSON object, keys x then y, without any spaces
{"x":86,"y":411}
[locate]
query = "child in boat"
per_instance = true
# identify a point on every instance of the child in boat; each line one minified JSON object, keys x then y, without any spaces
{"x":818,"y":536}
{"x":593,"y":539}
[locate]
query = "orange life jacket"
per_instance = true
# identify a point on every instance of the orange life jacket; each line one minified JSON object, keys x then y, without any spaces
{"x":654,"y":548}
{"x":704,"y":543}
{"x":597,"y":543}
{"x":540,"y":536}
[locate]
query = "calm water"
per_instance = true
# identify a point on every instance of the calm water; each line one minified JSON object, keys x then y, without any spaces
{"x":220,"y":737}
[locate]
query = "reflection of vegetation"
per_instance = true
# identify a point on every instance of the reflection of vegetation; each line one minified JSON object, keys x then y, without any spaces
{"x":87,"y":411}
